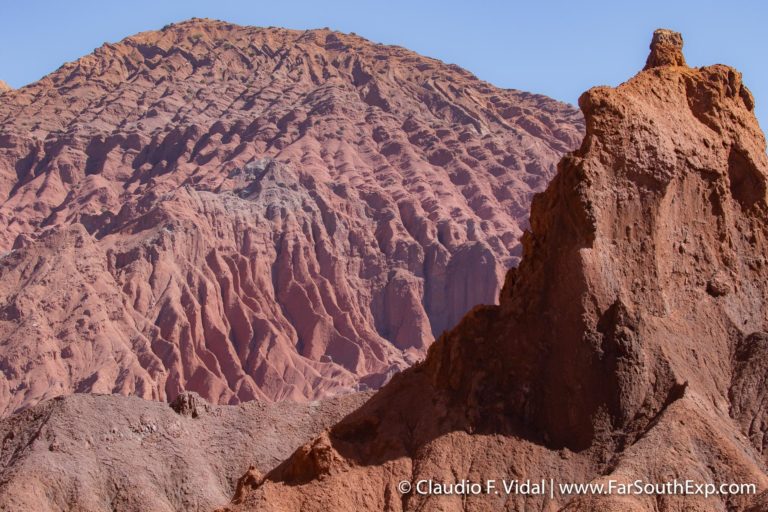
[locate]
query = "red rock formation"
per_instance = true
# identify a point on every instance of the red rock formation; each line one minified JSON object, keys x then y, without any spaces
{"x":4,"y":87}
{"x":254,"y":213}
{"x":630,"y":344}
{"x":119,"y":454}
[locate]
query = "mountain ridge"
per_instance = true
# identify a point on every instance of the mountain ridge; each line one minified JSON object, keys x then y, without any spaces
{"x":254,"y":213}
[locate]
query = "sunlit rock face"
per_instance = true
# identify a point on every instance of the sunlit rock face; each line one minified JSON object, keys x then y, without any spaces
{"x":629,"y":345}
{"x":254,"y":213}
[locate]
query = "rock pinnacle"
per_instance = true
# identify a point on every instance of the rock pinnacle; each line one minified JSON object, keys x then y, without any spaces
{"x":666,"y":49}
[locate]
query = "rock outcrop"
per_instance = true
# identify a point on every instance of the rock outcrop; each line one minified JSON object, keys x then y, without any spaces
{"x":100,"y":453}
{"x":4,"y":87}
{"x":254,"y":213}
{"x":629,"y":344}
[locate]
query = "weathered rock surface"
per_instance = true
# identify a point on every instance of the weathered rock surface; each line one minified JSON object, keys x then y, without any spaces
{"x":99,"y":453}
{"x":4,"y":87}
{"x":254,"y":213}
{"x":630,"y":343}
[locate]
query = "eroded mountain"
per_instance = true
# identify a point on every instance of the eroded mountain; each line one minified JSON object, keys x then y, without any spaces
{"x":254,"y":213}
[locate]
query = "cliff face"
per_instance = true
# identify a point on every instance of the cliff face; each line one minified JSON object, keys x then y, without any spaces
{"x":254,"y":213}
{"x":629,"y":344}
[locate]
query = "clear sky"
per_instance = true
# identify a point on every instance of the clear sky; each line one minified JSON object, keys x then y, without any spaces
{"x":558,"y":48}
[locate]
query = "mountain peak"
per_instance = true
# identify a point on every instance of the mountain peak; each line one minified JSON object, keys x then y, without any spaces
{"x":324,"y":205}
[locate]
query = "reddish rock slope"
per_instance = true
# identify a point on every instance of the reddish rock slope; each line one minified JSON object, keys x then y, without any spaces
{"x":630,"y":344}
{"x":100,"y":453}
{"x":254,"y":213}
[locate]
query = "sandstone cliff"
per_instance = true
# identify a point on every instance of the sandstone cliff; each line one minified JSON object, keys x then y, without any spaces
{"x":631,"y":343}
{"x":254,"y":213}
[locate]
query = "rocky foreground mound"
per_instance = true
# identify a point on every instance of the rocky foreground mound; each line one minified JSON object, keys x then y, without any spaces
{"x":100,"y":453}
{"x":254,"y":213}
{"x":630,"y":344}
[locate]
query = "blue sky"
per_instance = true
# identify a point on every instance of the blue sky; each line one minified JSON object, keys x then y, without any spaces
{"x":558,"y":48}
